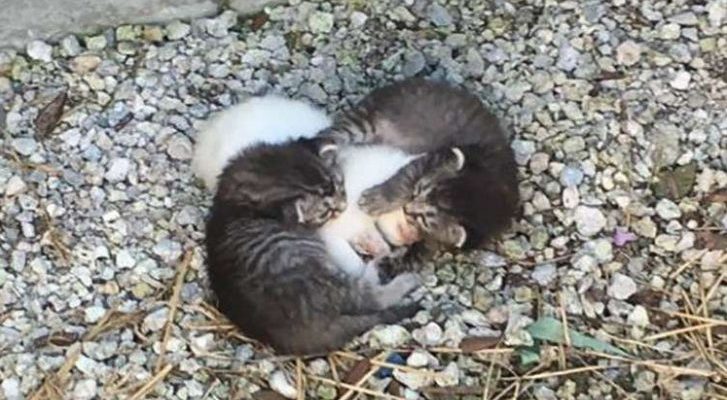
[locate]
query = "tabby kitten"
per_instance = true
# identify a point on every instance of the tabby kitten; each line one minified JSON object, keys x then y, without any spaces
{"x":272,"y":273}
{"x":464,"y":189}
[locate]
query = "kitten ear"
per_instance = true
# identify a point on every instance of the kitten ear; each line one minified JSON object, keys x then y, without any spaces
{"x":460,"y":234}
{"x":299,"y":210}
{"x":327,"y":149}
{"x":460,"y":157}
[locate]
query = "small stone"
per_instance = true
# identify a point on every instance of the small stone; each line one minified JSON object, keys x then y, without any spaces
{"x":412,"y":379}
{"x":543,"y":392}
{"x":156,"y":320}
{"x":524,"y":149}
{"x":668,"y":210}
{"x":390,"y":336}
{"x":11,"y":389}
{"x":567,"y":57}
{"x":429,"y":335}
{"x":539,"y":163}
{"x":202,"y":344}
{"x":280,"y":383}
{"x":716,"y":12}
{"x":40,"y":50}
{"x":177,"y":30}
{"x":358,"y":19}
{"x":544,"y":274}
{"x":571,"y":176}
{"x":628,"y":53}
{"x":439,"y":15}
{"x":418,"y":359}
{"x":142,"y":290}
{"x":449,"y":376}
{"x":589,"y":221}
{"x":475,"y":64}
{"x":621,"y":287}
{"x":670,"y":31}
{"x":118,"y":169}
{"x":320,"y":22}
{"x":85,"y":63}
{"x":686,"y":18}
{"x":645,"y":227}
{"x":168,"y":250}
{"x":70,"y":46}
{"x":24,"y":146}
{"x":85,"y":389}
{"x":15,"y":185}
{"x":515,"y":332}
{"x":645,"y":381}
{"x":153,"y":34}
{"x":413,"y":63}
{"x":94,"y":314}
{"x":571,"y":197}
{"x":180,"y":148}
{"x":219,"y":26}
{"x":96,"y":42}
{"x":124,"y":259}
{"x":681,"y":80}
{"x":126,"y":33}
{"x":574,"y":144}
{"x":638,"y":317}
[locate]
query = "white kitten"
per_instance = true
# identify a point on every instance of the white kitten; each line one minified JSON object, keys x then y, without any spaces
{"x":275,"y":119}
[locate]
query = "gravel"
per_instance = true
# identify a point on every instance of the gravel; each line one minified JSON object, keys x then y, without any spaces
{"x":606,"y":103}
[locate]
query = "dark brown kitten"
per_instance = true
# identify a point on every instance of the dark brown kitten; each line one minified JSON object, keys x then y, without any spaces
{"x":270,"y":271}
{"x":464,"y":190}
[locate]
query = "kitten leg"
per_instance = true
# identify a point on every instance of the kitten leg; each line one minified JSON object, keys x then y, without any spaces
{"x":394,"y":292}
{"x":399,"y":189}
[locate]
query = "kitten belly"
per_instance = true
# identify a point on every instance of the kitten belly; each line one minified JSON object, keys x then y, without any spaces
{"x":364,"y":167}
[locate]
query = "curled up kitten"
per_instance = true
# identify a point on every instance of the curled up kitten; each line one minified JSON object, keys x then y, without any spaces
{"x":462,"y":190}
{"x":272,"y":273}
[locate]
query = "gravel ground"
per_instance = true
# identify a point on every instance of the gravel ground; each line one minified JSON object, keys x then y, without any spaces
{"x":620,"y":130}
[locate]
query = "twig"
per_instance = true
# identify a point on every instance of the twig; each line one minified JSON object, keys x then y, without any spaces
{"x":678,"y":331}
{"x":366,"y":376}
{"x":687,"y":264}
{"x":144,"y":390}
{"x":355,"y":388}
{"x":545,"y":375}
{"x":716,"y":322}
{"x":173,"y":305}
{"x":299,"y":384}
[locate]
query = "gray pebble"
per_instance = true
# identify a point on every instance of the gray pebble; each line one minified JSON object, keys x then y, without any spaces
{"x":25,"y":146}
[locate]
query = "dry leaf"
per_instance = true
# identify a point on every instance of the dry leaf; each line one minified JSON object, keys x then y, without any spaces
{"x":267,"y":395}
{"x":357,"y":371}
{"x":258,"y":20}
{"x":712,"y":240}
{"x":49,"y":116}
{"x":677,"y":183}
{"x":719,"y":196}
{"x":475,"y":343}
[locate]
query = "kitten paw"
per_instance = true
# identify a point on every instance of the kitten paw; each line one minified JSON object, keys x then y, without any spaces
{"x":373,"y":202}
{"x":406,"y":283}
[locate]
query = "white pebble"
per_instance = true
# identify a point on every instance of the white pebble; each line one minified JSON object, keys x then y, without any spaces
{"x":668,"y":210}
{"x":589,"y":220}
{"x":622,"y":287}
{"x":94,"y":314}
{"x":280,"y":383}
{"x":638,"y":317}
{"x":628,"y":53}
{"x":681,"y":80}
{"x":39,"y":50}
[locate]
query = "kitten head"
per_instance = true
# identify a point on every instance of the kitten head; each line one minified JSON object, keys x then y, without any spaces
{"x":299,"y":181}
{"x":431,"y":215}
{"x":477,"y":203}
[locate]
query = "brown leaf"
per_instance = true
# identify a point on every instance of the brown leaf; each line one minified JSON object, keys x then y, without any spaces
{"x":647,"y":298}
{"x":677,"y":183}
{"x":49,"y":116}
{"x":712,"y":240}
{"x":258,"y":20}
{"x":267,"y":395}
{"x":357,"y":371}
{"x":475,"y":343}
{"x":719,"y":196}
{"x":60,"y":339}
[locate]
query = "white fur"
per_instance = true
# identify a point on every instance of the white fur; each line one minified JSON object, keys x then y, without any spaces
{"x":274,"y":119}
{"x":266,"y":119}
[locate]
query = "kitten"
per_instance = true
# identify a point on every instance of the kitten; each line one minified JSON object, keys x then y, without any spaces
{"x":274,"y":119}
{"x":271,"y":271}
{"x":464,"y":190}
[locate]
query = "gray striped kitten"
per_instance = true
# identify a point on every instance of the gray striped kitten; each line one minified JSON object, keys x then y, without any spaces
{"x":463,"y":189}
{"x":271,"y":272}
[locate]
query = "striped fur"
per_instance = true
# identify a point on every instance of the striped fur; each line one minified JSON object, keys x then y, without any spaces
{"x":273,"y":276}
